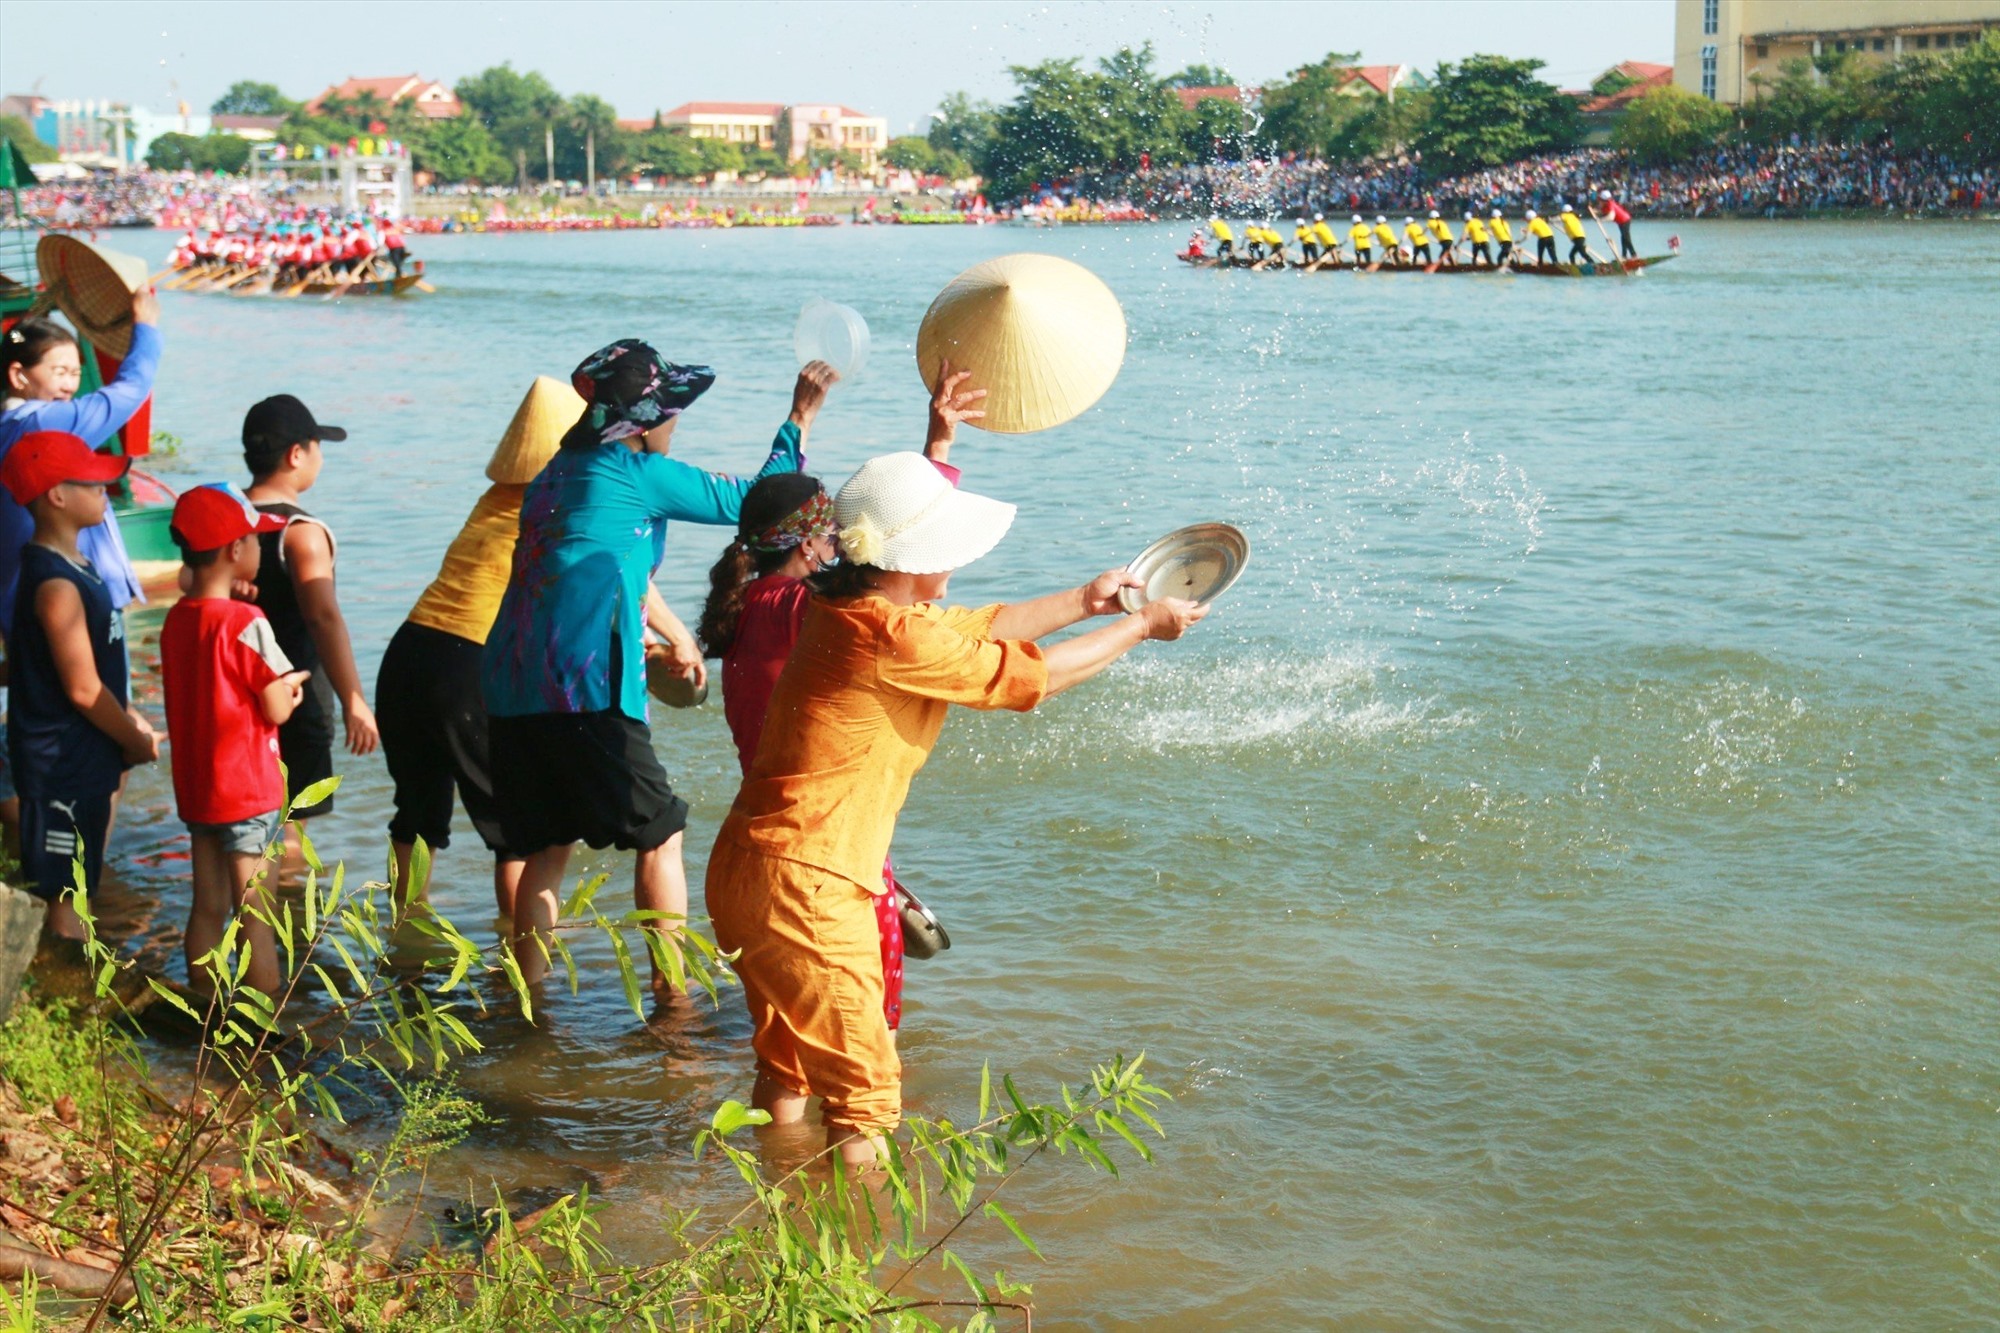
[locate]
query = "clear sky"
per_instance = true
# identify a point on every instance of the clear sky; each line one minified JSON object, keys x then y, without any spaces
{"x":887,"y":57}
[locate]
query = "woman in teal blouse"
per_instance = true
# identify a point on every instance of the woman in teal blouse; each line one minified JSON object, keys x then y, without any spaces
{"x":564,"y":673}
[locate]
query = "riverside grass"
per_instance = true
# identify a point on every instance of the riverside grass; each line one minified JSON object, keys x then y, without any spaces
{"x":198,"y":1213}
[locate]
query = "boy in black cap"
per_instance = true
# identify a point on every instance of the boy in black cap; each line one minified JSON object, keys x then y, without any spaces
{"x":281,"y":445}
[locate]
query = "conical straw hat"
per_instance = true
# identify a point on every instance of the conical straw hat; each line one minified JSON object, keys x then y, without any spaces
{"x":1044,"y":338}
{"x":533,"y":436}
{"x":93,"y":288}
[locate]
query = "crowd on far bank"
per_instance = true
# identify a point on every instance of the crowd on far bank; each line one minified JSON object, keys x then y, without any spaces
{"x":1789,"y":180}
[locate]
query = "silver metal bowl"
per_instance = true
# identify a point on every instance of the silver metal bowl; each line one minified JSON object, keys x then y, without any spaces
{"x":1198,"y":562}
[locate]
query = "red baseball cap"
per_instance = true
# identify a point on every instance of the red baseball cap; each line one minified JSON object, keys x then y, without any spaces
{"x":42,"y":460}
{"x":208,"y":518}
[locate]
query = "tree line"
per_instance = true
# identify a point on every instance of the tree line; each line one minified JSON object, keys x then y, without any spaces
{"x":1120,"y":113}
{"x":517,"y":128}
{"x":1941,"y":103}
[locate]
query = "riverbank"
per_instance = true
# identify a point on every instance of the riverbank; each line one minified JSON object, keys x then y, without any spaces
{"x":222,"y":1182}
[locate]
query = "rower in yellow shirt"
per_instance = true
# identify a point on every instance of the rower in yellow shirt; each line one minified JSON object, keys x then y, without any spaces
{"x":1323,"y":234}
{"x":1385,"y":236}
{"x":1274,"y":244}
{"x":1545,"y":237}
{"x":1308,"y":245}
{"x":1579,"y":253}
{"x":1420,"y":241}
{"x":1362,"y":236}
{"x":1477,"y":239}
{"x":1504,"y":235}
{"x":1225,"y":239}
{"x":1447,"y":247}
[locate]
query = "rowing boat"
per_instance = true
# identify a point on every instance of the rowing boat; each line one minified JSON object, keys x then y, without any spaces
{"x":248,"y":284}
{"x":1620,"y":268}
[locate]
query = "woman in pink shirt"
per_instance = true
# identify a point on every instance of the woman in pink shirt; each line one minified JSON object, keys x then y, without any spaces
{"x":758,"y":593}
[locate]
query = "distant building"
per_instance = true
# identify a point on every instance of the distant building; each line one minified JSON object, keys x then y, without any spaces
{"x":257,"y":129}
{"x":98,"y":132}
{"x":1722,"y":46}
{"x":436,"y":101}
{"x":1247,"y":97}
{"x":791,"y":131}
{"x":1382,"y":81}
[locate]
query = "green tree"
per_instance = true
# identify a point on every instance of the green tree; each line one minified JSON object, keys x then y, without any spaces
{"x":459,"y":149}
{"x":245,"y":98}
{"x":1670,"y":124}
{"x":910,"y":153}
{"x":1308,"y":114}
{"x":1217,"y":130}
{"x":210,"y":152}
{"x":1066,"y":119}
{"x":23,"y":136}
{"x":669,"y":153}
{"x":719,"y":155}
{"x":1202,"y":76}
{"x":518,"y":110}
{"x":1957,"y":110}
{"x":1487,"y":110}
{"x":594,"y":117}
{"x":964,"y":126}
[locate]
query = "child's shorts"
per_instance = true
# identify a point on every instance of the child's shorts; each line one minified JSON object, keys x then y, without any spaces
{"x":57,"y":833}
{"x":244,"y":837}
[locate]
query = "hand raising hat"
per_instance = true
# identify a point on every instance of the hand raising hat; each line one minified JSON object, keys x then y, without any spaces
{"x":1044,"y":338}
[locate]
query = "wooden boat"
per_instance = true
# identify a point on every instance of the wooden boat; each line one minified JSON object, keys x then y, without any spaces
{"x":1620,"y":268}
{"x":381,"y":281}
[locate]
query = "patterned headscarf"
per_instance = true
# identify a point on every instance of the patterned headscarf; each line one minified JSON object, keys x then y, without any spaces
{"x":631,"y":388}
{"x":812,"y":519}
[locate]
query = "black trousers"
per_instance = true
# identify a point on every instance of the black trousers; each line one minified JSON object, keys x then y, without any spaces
{"x":1579,"y":253}
{"x":1625,"y":247}
{"x":435,"y":736}
{"x":1545,"y":249}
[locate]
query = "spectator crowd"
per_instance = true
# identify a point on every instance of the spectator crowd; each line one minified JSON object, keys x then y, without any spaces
{"x":1733,"y":181}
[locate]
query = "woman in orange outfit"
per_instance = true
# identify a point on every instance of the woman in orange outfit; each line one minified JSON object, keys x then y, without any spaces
{"x":792,"y":880}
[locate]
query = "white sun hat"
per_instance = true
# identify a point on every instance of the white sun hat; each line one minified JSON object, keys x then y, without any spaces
{"x":899,"y":513}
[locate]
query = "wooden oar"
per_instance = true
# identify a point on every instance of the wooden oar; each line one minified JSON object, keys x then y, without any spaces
{"x":228,"y":273}
{"x":312,"y":275}
{"x":1608,"y":246}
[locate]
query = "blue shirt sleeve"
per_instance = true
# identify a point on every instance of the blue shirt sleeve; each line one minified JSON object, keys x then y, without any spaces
{"x":677,"y":490}
{"x":95,"y":416}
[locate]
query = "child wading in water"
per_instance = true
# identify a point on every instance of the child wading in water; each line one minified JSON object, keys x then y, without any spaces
{"x":72,"y":735}
{"x":757,"y":603}
{"x":229,"y":688}
{"x":281,"y":445}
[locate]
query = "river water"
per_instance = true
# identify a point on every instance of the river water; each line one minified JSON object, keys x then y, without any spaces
{"x":1556,"y":885}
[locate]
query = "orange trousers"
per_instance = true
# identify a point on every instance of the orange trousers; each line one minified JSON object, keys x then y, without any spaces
{"x":811,"y":968}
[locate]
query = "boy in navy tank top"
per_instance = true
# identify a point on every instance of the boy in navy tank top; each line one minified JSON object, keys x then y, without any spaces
{"x":281,"y":446}
{"x":71,"y":735}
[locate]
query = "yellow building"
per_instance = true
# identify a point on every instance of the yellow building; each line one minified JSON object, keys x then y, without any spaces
{"x":1719,"y":45}
{"x":793,"y":131}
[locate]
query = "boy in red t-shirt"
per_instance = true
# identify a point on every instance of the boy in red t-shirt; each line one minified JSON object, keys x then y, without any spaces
{"x":228,"y":688}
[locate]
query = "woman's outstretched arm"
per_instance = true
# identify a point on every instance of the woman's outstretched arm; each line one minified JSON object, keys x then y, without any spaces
{"x":1059,"y":610}
{"x":1075,"y":660}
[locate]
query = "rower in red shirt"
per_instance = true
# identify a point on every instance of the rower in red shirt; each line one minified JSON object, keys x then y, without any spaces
{"x":392,"y":245}
{"x":1607,"y":207}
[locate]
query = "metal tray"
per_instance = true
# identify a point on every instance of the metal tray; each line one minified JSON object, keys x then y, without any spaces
{"x":1197,"y":562}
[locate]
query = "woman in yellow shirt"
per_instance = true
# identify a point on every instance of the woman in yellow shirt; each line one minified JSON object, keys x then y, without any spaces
{"x":854,"y":715}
